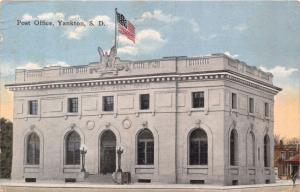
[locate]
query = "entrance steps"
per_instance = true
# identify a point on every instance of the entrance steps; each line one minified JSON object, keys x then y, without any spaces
{"x":100,"y":178}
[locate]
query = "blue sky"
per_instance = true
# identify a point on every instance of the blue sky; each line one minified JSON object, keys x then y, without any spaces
{"x":263,"y":34}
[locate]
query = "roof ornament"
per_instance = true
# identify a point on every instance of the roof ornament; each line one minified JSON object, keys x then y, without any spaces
{"x":108,"y":63}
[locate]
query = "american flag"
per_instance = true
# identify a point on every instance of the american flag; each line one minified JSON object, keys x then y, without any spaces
{"x":126,"y":27}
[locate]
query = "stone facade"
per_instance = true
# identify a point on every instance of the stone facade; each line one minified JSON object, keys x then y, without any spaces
{"x":171,"y":118}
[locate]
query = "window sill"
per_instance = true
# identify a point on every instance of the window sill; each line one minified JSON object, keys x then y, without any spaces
{"x":31,"y":166}
{"x":197,"y":109}
{"x":108,"y":113}
{"x":72,"y":114}
{"x":145,"y":111}
{"x":72,"y":166}
{"x":30,"y":115}
{"x":145,"y":166}
{"x":197,"y":166}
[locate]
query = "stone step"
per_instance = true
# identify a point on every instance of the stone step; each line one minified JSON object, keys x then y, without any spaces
{"x":100,"y":178}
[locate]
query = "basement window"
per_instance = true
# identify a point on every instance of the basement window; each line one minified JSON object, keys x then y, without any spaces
{"x":30,"y":180}
{"x":197,"y":181}
{"x":70,"y":180}
{"x":144,"y":180}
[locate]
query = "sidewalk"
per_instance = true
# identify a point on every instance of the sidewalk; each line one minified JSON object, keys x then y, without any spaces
{"x":14,"y":186}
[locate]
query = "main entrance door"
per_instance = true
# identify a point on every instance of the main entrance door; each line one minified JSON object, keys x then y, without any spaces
{"x":108,"y":152}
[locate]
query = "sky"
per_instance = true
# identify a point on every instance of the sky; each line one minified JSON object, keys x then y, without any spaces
{"x":262,"y":34}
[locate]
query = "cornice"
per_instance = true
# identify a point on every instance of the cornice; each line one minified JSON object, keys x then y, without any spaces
{"x":220,"y":75}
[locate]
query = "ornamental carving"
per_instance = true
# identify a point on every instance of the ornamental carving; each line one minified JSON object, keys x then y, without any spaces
{"x":108,"y":63}
{"x":90,"y":125}
{"x":126,"y":123}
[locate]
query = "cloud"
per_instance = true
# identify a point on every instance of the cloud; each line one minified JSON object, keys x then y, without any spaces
{"x":280,"y":71}
{"x":72,"y":32}
{"x":159,"y":16}
{"x":49,"y":16}
{"x":79,"y":31}
{"x":241,"y":27}
{"x":195,"y":25}
{"x":6,"y":70}
{"x":27,"y":17}
{"x":29,"y":66}
{"x":225,"y":27}
{"x":147,"y":41}
{"x":48,"y":63}
{"x":207,"y":38}
{"x":58,"y":63}
{"x":234,"y":56}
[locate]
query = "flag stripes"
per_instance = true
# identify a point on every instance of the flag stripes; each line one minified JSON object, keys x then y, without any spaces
{"x":126,"y":27}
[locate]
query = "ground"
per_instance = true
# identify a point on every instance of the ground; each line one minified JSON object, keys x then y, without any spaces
{"x":11,"y":186}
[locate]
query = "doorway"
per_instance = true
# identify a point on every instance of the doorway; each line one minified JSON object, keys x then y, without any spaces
{"x":108,"y":152}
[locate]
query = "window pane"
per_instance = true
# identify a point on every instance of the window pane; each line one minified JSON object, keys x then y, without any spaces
{"x":33,"y":107}
{"x":150,"y":153}
{"x":33,"y":149}
{"x":251,"y":105}
{"x":233,"y":148}
{"x":266,"y":151}
{"x":198,"y":147}
{"x":73,"y":149}
{"x":203,"y":153}
{"x":145,"y":148}
{"x":144,"y":101}
{"x":194,"y":152}
{"x":141,"y":153}
{"x":108,"y":103}
{"x":233,"y":101}
{"x":73,"y":105}
{"x":198,"y":99}
{"x":267,"y":109}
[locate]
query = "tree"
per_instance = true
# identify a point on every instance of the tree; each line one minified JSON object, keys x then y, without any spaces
{"x":278,"y":139}
{"x":6,"y":132}
{"x":293,"y":141}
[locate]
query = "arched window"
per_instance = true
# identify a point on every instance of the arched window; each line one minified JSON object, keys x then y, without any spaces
{"x":198,"y":147}
{"x":145,"y":148}
{"x":251,"y":149}
{"x":33,"y":149}
{"x":233,"y":148}
{"x":73,"y":149}
{"x":267,"y":151}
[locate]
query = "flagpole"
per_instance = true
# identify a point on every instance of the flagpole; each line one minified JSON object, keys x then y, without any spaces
{"x":116,"y":27}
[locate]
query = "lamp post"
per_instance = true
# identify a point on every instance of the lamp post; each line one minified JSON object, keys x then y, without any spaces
{"x":83,"y":151}
{"x":119,"y":152}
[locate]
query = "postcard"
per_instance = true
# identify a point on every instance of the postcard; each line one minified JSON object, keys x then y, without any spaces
{"x":149,"y":95}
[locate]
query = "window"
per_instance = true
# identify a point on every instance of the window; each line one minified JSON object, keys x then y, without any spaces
{"x":251,"y":149}
{"x":108,"y":103}
{"x":144,"y":101}
{"x":233,"y":101}
{"x":33,"y":149}
{"x":267,"y":151}
{"x":233,"y":148}
{"x":282,"y":155}
{"x":33,"y":107}
{"x":73,"y":105}
{"x":198,"y":99}
{"x":251,"y":105}
{"x":73,"y":149}
{"x":266,"y":109}
{"x":198,"y":147}
{"x":145,"y":148}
